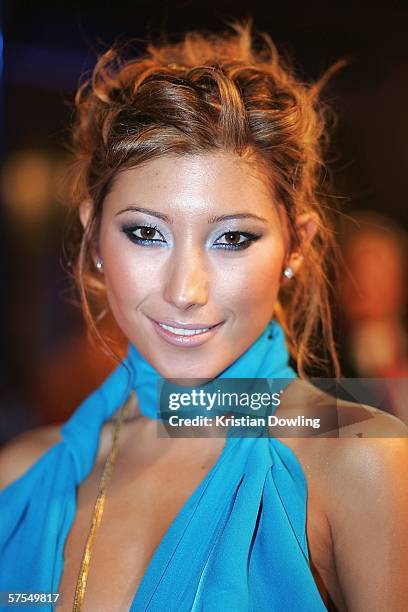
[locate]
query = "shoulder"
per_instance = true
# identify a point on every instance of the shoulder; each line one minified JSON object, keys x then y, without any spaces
{"x":362,"y":479}
{"x":366,"y":505}
{"x":358,"y":452}
{"x":373,"y":450}
{"x":368,"y":462}
{"x":356,"y":439}
{"x":18,"y":455}
{"x":372,"y":444}
{"x":337,"y":418}
{"x":359,"y":473}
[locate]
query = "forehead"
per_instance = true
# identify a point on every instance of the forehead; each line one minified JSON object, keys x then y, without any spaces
{"x":191,"y":184}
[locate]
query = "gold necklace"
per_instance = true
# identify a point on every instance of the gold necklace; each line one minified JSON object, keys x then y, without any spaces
{"x":99,"y":507}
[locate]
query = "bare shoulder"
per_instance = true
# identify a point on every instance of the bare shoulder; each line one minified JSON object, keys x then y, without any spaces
{"x":337,"y":418}
{"x":18,"y":455}
{"x":366,"y":504}
{"x":363,"y":421}
{"x":370,"y":455}
{"x":356,"y":473}
{"x":353,"y":441}
{"x":365,"y":454}
{"x":372,"y":443}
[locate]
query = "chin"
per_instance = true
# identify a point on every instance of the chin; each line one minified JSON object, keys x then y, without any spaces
{"x":187,"y":371}
{"x":183,"y":375}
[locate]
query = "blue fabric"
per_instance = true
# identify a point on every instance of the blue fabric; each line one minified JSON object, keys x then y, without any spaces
{"x":238,"y":544}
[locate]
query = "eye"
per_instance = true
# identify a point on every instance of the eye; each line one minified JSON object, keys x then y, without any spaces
{"x":234,"y":242}
{"x":143,"y":234}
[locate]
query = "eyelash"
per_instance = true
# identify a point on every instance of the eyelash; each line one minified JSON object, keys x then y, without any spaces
{"x":129,"y":231}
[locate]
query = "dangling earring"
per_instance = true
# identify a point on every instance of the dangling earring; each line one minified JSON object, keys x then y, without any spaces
{"x":99,"y":264}
{"x":288,"y":272}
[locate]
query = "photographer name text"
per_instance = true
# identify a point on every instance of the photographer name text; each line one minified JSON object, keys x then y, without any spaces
{"x":243,"y":421}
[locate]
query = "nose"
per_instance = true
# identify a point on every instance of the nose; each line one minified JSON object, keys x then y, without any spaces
{"x":187,"y":279}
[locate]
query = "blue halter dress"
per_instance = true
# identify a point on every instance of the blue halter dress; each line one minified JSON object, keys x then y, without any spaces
{"x":238,"y":544}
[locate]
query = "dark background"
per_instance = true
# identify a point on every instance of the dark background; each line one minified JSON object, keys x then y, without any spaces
{"x":47,"y":45}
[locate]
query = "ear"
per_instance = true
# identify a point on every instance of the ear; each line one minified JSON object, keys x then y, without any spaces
{"x":85,"y":212}
{"x":85,"y":215}
{"x":307,"y":225}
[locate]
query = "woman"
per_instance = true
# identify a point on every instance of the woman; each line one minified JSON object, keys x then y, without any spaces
{"x":196,"y":179}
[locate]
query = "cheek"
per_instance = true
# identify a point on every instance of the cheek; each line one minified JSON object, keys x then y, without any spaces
{"x":252,"y":284}
{"x":131,"y":274}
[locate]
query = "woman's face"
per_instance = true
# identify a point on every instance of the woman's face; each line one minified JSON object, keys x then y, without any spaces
{"x":192,"y":242}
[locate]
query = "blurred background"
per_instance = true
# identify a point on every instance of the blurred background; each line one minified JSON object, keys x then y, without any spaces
{"x":48,"y":366}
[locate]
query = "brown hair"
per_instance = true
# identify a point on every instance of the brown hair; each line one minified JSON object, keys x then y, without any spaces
{"x":208,"y":93}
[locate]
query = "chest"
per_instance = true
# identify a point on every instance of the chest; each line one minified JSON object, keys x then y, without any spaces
{"x":140,"y":506}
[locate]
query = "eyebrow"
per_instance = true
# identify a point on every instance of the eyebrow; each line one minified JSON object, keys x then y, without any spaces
{"x":210,"y":220}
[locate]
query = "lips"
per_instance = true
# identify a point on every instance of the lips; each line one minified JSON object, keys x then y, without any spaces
{"x":185,"y":334}
{"x":185,"y":331}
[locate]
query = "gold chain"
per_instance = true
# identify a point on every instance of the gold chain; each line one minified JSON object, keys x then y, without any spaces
{"x":99,"y":507}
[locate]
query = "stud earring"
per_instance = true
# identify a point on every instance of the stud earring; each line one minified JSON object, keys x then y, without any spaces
{"x":99,"y":263}
{"x":288,"y":272}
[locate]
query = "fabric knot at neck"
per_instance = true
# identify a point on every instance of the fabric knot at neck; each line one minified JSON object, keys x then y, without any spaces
{"x":243,"y":388}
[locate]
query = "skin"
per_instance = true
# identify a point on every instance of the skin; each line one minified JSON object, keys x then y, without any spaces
{"x":188,"y":277}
